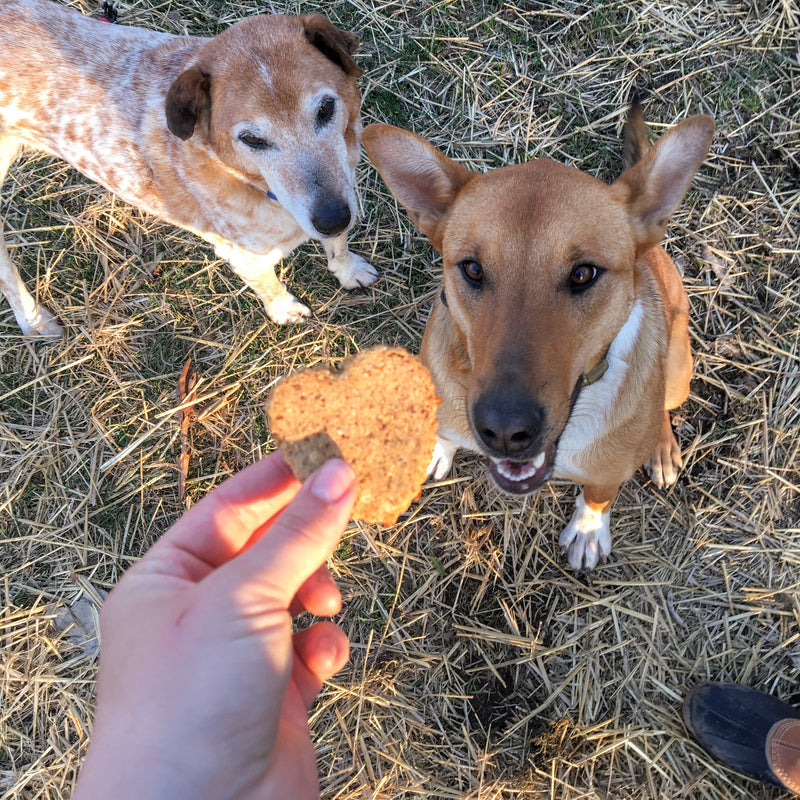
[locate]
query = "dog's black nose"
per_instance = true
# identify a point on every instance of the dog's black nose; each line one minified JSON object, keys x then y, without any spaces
{"x":509,"y":424}
{"x":331,"y":218}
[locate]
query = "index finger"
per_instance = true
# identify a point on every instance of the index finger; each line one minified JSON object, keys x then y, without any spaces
{"x":220,"y":525}
{"x":302,"y":536}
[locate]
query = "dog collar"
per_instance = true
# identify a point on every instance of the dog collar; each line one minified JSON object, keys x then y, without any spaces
{"x":587,"y":379}
{"x":594,"y":374}
{"x":271,"y":196}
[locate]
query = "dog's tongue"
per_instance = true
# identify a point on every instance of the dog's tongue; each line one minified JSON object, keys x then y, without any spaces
{"x":522,"y":477}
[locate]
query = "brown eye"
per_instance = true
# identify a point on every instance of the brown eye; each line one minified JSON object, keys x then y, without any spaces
{"x":583,"y":276}
{"x":255,"y":142}
{"x":472,"y":271}
{"x":325,"y":111}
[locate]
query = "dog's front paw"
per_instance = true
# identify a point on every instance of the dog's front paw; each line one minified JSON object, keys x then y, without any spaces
{"x":41,"y":323}
{"x":664,"y":463}
{"x":352,"y":271}
{"x":286,"y":309}
{"x":587,"y":538}
{"x":442,"y":459}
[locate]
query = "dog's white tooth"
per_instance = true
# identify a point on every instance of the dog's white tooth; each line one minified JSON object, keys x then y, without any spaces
{"x":519,"y":471}
{"x":504,"y":471}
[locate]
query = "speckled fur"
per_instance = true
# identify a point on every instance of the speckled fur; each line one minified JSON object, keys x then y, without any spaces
{"x":94,"y":94}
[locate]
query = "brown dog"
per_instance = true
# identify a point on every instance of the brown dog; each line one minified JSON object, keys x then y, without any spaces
{"x":559,"y":342}
{"x":249,"y":139}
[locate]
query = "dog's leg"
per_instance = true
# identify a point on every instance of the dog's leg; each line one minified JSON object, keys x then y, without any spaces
{"x":442,"y":460}
{"x":352,"y":271}
{"x":258,"y":272}
{"x":33,"y":319}
{"x":665,"y":461}
{"x":587,"y":538}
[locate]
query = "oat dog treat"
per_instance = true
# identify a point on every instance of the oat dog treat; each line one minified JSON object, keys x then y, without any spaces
{"x":377,"y":412}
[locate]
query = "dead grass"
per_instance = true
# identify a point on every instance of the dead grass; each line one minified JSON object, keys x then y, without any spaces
{"x":481,"y":668}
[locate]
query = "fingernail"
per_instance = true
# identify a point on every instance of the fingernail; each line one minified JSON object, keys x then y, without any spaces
{"x":332,"y":480}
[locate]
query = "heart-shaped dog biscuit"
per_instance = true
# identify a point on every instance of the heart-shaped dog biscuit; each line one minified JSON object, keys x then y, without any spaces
{"x":377,"y":412}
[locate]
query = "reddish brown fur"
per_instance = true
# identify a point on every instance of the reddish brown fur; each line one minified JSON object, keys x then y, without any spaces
{"x":516,"y":344}
{"x":541,"y":198}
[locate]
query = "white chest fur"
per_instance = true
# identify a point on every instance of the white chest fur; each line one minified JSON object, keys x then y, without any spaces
{"x":589,"y":420}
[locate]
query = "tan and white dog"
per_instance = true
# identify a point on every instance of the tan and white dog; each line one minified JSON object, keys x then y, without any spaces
{"x":249,"y":139}
{"x":559,"y":342}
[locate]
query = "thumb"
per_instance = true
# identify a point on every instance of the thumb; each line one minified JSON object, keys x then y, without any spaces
{"x":299,"y":540}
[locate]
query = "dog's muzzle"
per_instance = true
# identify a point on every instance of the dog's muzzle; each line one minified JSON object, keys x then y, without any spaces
{"x":331,"y":218}
{"x":510,"y":426}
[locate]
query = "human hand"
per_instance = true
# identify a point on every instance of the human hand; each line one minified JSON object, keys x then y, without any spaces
{"x":203,"y":691}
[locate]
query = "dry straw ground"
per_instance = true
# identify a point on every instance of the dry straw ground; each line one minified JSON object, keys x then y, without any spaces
{"x":481,"y":666}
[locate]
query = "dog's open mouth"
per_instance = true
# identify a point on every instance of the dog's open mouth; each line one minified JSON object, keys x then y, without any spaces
{"x":522,"y":477}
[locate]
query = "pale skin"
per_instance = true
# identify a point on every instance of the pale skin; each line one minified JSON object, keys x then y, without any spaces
{"x":203,"y":689}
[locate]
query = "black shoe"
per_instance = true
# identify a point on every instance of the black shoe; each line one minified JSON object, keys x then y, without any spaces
{"x":732,"y":722}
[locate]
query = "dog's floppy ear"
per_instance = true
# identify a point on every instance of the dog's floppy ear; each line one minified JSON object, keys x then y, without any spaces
{"x":654,"y":188}
{"x":335,"y":44}
{"x":188,"y":101}
{"x":422,"y":179}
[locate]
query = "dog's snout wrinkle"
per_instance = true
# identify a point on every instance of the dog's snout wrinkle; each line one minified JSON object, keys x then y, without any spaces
{"x":509,"y":425}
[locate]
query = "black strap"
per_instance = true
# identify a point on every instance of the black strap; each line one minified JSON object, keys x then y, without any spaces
{"x":588,"y":378}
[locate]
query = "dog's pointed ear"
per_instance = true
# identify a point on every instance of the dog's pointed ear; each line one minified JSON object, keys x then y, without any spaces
{"x":333,"y":43}
{"x":188,"y":101}
{"x":654,"y":188}
{"x":422,"y":179}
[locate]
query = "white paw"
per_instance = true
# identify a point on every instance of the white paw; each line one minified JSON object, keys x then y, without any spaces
{"x":587,"y":538}
{"x":40,"y":323}
{"x":442,"y":459}
{"x":352,"y":271}
{"x":285,"y":309}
